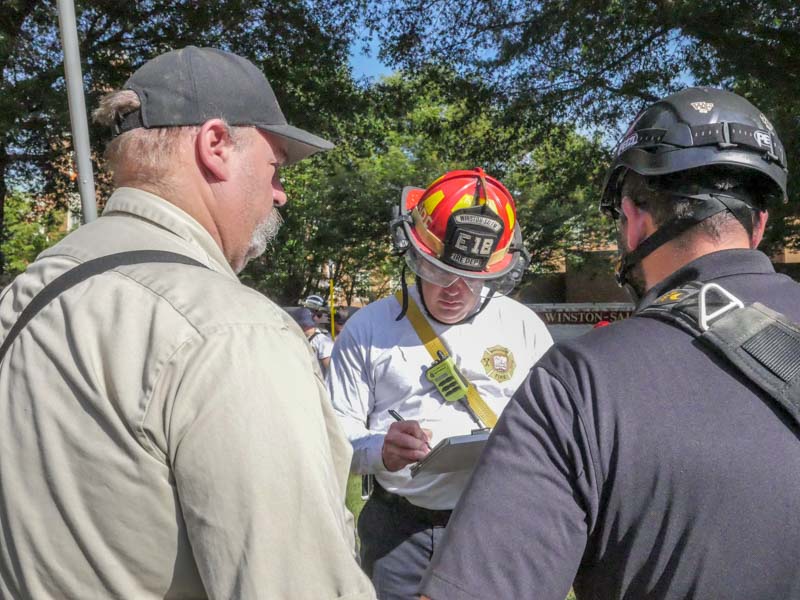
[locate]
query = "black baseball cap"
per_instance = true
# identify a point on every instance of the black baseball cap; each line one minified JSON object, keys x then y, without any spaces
{"x":192,"y":85}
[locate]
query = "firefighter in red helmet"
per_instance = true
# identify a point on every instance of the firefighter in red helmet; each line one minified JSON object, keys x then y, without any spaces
{"x":434,"y":361}
{"x":461,"y":234}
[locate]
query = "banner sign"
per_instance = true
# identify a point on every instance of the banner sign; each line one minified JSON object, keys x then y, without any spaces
{"x":581,"y":314}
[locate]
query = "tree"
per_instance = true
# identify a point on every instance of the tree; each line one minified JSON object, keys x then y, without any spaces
{"x":405,"y":130}
{"x":31,"y":230}
{"x":302,"y":45}
{"x":557,"y":187}
{"x":597,"y":63}
{"x":408,"y":131}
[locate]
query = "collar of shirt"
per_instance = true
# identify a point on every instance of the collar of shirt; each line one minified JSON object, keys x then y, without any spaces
{"x":153,"y":208}
{"x":739,"y":261}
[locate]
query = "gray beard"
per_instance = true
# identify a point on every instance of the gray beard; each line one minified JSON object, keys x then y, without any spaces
{"x":263,"y":235}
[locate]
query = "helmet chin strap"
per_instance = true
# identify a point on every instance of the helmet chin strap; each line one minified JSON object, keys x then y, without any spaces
{"x":404,"y":288}
{"x":712,"y":204}
{"x":622,"y":275}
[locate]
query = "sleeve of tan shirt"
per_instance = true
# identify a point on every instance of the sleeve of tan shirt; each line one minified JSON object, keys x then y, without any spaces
{"x":259,"y":467}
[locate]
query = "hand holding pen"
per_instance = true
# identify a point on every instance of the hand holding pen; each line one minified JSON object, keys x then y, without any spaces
{"x":399,"y":418}
{"x":405,"y":443}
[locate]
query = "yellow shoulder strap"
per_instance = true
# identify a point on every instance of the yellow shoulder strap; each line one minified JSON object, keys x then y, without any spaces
{"x":434,"y":345}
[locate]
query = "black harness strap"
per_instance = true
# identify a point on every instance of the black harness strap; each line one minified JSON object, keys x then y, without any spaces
{"x":83,"y":272}
{"x":760,"y":343}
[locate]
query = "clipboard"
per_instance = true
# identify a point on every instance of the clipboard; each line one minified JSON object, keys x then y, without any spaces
{"x":457,"y":453}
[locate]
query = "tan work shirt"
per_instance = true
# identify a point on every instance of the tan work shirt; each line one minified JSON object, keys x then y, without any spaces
{"x":162,"y":434}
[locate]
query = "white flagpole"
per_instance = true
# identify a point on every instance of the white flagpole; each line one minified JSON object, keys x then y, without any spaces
{"x":77,"y":108}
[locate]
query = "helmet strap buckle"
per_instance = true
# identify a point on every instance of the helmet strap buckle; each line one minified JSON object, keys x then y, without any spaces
{"x":397,"y":228}
{"x":726,"y":136}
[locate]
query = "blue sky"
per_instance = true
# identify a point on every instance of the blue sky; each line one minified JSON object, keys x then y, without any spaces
{"x":366,"y":63}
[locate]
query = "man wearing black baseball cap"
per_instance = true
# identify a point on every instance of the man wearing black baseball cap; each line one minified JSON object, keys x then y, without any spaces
{"x":192,"y":85}
{"x":219,"y":99}
{"x":161,"y":436}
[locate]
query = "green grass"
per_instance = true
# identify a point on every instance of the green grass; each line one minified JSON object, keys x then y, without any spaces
{"x":355,"y":504}
{"x":353,"y":499}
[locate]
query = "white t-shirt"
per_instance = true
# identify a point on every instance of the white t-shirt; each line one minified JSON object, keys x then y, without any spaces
{"x":322,"y":344}
{"x":379,"y":363}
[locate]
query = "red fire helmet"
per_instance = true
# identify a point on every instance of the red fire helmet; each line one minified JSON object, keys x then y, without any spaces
{"x":475,"y":209}
{"x":463,"y":225}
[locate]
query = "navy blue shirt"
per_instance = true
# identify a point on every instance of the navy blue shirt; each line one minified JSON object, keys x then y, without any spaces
{"x":636,"y":464}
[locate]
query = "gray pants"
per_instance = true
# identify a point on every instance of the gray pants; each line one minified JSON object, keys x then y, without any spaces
{"x":397,"y":543}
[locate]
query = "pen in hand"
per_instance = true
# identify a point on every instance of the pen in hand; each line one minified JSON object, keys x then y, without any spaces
{"x":398,"y":417}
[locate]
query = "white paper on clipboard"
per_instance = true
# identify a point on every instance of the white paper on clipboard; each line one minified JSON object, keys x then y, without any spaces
{"x":457,"y":453}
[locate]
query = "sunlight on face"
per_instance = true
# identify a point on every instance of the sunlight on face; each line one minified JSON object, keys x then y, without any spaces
{"x":265,"y":233}
{"x":261,"y":192}
{"x":450,"y":304}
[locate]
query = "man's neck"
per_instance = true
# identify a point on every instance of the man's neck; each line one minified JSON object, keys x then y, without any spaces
{"x":187,"y":195}
{"x":670,"y":257}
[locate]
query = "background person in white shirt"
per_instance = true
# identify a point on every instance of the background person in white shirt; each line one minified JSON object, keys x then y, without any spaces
{"x":320,"y":341}
{"x":461,"y":239}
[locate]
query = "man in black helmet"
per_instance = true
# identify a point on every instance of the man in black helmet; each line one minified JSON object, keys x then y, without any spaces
{"x":658,"y":457}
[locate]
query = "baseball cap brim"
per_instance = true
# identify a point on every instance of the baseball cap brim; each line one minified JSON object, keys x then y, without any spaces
{"x":300,"y":144}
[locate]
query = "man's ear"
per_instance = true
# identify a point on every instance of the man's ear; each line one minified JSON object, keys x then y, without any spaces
{"x":639,"y":224}
{"x":760,"y":218}
{"x":213,"y":149}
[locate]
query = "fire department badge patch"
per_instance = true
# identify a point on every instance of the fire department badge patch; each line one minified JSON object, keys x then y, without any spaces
{"x":671,"y":297}
{"x":498,"y":362}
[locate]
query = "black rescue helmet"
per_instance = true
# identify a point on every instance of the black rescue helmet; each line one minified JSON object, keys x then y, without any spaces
{"x":698,"y":127}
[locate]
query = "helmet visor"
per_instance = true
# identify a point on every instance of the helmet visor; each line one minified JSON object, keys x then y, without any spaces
{"x":426,"y":268}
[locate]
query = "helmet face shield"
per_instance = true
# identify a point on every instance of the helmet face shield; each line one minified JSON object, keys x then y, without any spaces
{"x":434,"y":271}
{"x":428,"y":270}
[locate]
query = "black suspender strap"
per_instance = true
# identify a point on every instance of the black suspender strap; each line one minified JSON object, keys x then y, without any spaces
{"x":83,"y":272}
{"x":761,"y":344}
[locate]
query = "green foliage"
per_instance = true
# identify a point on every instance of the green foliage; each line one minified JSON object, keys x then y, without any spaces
{"x":353,"y":499}
{"x":27,"y":232}
{"x":405,"y":130}
{"x":408,"y":131}
{"x":598,"y":63}
{"x":302,"y":46}
{"x":557,"y":186}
